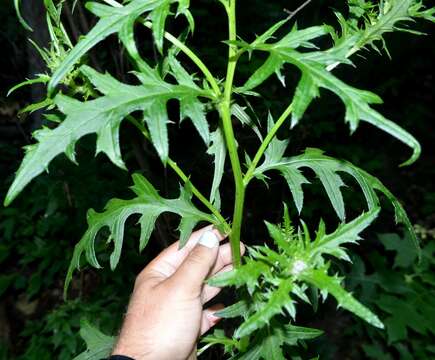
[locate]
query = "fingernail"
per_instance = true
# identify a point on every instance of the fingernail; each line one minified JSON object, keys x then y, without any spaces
{"x":209,"y":239}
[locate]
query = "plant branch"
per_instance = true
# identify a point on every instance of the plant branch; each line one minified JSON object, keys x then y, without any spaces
{"x":185,"y":178}
{"x":225,"y":111}
{"x":294,"y":12}
{"x":269,"y":137}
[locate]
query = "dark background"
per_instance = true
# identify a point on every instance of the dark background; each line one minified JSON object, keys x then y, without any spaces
{"x":38,"y":231}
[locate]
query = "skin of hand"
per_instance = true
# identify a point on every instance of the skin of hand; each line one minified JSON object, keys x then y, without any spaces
{"x":165,"y":315}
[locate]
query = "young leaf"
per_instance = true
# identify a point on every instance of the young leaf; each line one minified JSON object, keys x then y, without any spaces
{"x":103,"y":116}
{"x":98,"y":345}
{"x":293,"y":334}
{"x":240,"y":308}
{"x":345,"y":233}
{"x":331,"y":284}
{"x":40,"y":79}
{"x":149,"y":205}
{"x":218,"y":337}
{"x":377,"y":23}
{"x":272,"y":344}
{"x":278,"y":299}
{"x":247,"y":274}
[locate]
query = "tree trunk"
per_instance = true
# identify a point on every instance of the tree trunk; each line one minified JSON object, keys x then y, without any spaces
{"x":34,"y":13}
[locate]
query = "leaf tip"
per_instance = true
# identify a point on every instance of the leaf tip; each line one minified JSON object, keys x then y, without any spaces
{"x":414,"y":157}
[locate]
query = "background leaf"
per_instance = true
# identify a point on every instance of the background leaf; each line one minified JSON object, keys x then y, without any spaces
{"x":98,"y":345}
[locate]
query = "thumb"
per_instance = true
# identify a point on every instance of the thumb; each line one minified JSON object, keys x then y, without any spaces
{"x":195,"y":268}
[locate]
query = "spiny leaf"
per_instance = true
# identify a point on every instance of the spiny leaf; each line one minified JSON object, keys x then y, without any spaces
{"x":331,"y":284}
{"x":268,"y":34}
{"x":317,"y":161}
{"x":290,"y":169}
{"x":183,"y":9}
{"x":278,"y":299}
{"x":272,"y":344}
{"x":40,"y":79}
{"x":268,"y":342}
{"x":112,"y":20}
{"x":239,"y":112}
{"x":294,"y":39}
{"x":247,"y":274}
{"x":305,"y":92}
{"x":315,"y":67}
{"x":126,"y":35}
{"x":293,"y":334}
{"x":345,"y":233}
{"x":377,"y":23}
{"x":254,"y":353}
{"x":357,"y":102}
{"x":218,"y":150}
{"x":147,"y":203}
{"x":158,"y":17}
{"x":98,"y":345}
{"x":190,"y":107}
{"x":240,"y":308}
{"x":218,"y":337}
{"x":278,"y":237}
{"x":103,"y":116}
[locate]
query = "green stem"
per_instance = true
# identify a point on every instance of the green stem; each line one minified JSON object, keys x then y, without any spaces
{"x":173,"y":165}
{"x":199,"y":195}
{"x":198,"y":62}
{"x":269,"y":137}
{"x":225,"y":111}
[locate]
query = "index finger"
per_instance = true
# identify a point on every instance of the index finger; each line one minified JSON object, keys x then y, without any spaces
{"x":168,"y":261}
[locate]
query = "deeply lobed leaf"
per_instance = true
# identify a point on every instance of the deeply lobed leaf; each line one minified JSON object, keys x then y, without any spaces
{"x":114,"y":20}
{"x":328,"y":169}
{"x":104,"y":115}
{"x":149,"y":205}
{"x":315,"y":66}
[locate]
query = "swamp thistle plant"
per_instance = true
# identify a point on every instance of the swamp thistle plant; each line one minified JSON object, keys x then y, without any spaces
{"x":295,"y":266}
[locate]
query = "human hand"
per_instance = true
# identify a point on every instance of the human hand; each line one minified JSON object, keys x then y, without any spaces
{"x":165,"y":316}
